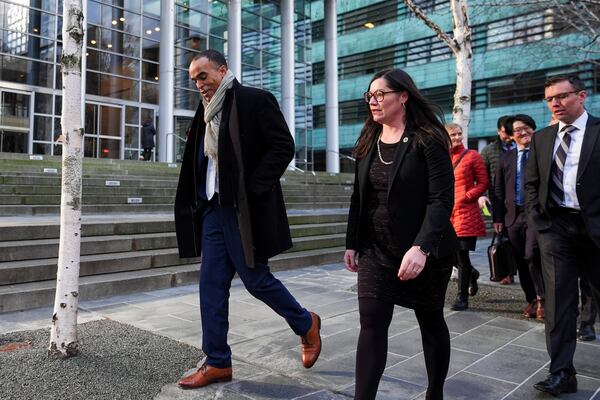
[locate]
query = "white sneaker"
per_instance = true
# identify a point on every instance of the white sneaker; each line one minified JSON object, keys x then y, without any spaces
{"x":454,"y":276}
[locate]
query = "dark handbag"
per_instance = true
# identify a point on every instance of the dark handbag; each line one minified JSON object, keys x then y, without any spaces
{"x":501,"y":258}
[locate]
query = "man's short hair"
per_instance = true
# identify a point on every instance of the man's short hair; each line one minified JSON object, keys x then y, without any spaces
{"x":574,"y":80}
{"x":524,"y":118}
{"x":502,"y":122}
{"x":214,"y":56}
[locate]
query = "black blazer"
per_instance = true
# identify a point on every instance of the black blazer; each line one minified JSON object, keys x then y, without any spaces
{"x":504,"y":209}
{"x":267,"y":148}
{"x":588,"y":178}
{"x":420,"y":197}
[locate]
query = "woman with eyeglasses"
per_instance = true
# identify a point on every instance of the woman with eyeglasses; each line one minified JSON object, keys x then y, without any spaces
{"x":399,"y":227}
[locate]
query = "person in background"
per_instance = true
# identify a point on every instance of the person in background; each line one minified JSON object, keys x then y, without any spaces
{"x":509,"y":213}
{"x":399,"y":226}
{"x":148,"y":133}
{"x":490,"y":154}
{"x":470,"y":183}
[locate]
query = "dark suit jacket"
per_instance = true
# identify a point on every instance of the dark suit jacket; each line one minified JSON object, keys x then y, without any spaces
{"x":588,"y":178}
{"x":420,"y":198}
{"x":267,"y":148}
{"x":504,"y":208}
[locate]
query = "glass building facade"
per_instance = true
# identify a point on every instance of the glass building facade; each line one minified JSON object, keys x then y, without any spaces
{"x":122,"y":69}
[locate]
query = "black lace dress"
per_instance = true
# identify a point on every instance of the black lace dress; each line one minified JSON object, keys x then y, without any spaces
{"x":380,"y":256}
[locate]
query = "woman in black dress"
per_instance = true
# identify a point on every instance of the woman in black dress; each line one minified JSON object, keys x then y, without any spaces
{"x":399,"y":227}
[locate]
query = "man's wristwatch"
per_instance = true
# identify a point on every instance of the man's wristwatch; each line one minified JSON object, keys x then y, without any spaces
{"x":424,"y":251}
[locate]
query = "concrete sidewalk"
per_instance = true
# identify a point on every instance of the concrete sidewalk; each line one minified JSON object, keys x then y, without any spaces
{"x":492,"y":357}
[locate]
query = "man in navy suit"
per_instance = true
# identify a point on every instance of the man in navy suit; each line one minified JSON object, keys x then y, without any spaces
{"x":229,"y":208}
{"x":509,"y":212}
{"x":563,"y":205}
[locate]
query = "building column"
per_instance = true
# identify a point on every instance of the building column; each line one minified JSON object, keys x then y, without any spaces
{"x":234,"y":38}
{"x":331,"y":88}
{"x":167,"y":81}
{"x":287,"y":67}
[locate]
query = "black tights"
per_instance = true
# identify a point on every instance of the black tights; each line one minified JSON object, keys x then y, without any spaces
{"x":371,"y":355}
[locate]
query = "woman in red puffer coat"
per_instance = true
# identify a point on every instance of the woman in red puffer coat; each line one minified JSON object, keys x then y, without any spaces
{"x":470,"y":182}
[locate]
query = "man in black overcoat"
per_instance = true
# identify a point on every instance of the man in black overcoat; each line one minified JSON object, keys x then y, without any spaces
{"x":563,"y":205}
{"x":229,"y":209}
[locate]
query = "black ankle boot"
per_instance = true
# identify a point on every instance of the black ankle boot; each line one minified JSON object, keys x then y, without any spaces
{"x":474,"y":287}
{"x":461,"y":303}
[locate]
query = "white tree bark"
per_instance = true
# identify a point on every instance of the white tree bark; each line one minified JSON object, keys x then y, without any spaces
{"x":460,"y":44}
{"x":461,"y":111}
{"x":63,"y":335}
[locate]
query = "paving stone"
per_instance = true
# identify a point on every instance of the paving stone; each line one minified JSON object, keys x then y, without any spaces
{"x":485,"y":339}
{"x":535,"y":338}
{"x":463,"y":321}
{"x":514,"y":324}
{"x":323,"y":395}
{"x":468,"y":386}
{"x":407,"y":343}
{"x":393,"y":389}
{"x":339,"y":344}
{"x":339,"y":373}
{"x":413,"y":370}
{"x":587,"y":359}
{"x":265,"y":345}
{"x":271,"y":387}
{"x":338,"y":308}
{"x":510,"y":363}
{"x":339,"y":323}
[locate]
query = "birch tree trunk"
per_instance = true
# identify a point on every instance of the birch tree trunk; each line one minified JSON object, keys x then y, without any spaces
{"x":63,"y":334}
{"x":461,"y":111}
{"x":460,"y":44}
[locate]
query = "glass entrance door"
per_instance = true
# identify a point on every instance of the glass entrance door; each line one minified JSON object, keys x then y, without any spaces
{"x":14,"y":121}
{"x":103,"y":131}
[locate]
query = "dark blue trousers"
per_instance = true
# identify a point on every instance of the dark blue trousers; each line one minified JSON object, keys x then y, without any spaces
{"x":222,"y":257}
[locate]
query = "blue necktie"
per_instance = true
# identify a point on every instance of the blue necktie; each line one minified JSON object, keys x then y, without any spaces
{"x":522,"y":167}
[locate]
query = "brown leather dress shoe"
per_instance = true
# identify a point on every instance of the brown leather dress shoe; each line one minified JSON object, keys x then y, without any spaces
{"x":540,"y":314}
{"x":205,"y":375}
{"x":529,"y":311}
{"x":507,"y":280}
{"x":311,"y":342}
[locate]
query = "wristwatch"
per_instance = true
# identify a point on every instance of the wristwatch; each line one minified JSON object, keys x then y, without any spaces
{"x":423,"y":250}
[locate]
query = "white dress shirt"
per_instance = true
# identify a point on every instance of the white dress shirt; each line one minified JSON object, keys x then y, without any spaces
{"x":212,"y":180}
{"x":572,"y":160}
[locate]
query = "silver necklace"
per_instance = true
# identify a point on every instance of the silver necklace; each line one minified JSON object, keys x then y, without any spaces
{"x":379,"y":153}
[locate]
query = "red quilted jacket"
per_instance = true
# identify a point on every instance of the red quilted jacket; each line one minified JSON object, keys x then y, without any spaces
{"x":470,"y":182}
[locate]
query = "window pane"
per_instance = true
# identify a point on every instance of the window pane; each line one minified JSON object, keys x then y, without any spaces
{"x":18,"y":70}
{"x":42,"y":148}
{"x":149,"y":71}
{"x":43,"y":103}
{"x":149,"y":93}
{"x":131,"y":137}
{"x":132,"y":115}
{"x":112,"y":86}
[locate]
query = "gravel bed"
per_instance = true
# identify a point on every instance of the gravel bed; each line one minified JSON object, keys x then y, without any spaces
{"x":116,"y":361}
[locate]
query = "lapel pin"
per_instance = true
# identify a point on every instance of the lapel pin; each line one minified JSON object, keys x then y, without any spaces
{"x":405,"y":140}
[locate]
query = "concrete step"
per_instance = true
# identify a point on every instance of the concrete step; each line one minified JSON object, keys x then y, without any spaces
{"x":47,"y":248}
{"x":16,"y":272}
{"x":37,"y":260}
{"x":39,"y":294}
{"x":47,"y":227}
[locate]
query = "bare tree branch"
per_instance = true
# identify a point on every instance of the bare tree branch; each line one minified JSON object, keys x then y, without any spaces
{"x":439,"y":32}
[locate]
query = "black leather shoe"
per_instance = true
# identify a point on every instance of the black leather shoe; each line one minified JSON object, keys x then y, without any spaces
{"x":557,"y":383}
{"x":586,"y":333}
{"x":460,"y":304}
{"x":474,"y":287}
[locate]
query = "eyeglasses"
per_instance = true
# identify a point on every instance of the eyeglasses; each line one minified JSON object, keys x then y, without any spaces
{"x":379,"y":95}
{"x":522,"y":130}
{"x":560,"y":96}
